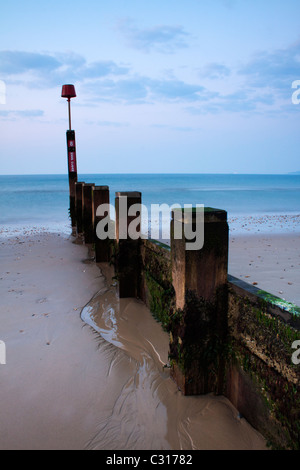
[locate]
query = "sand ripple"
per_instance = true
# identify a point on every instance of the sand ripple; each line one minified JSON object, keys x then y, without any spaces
{"x":146,"y":410}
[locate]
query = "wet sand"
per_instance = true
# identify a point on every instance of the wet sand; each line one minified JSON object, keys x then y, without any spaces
{"x":71,"y":385}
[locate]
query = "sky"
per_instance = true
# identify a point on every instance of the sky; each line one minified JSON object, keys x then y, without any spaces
{"x":200,"y":86}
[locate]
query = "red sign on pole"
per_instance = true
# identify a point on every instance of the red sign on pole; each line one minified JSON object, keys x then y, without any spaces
{"x":71,"y":152}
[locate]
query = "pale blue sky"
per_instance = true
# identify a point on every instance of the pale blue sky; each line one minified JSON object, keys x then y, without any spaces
{"x":162,"y":86}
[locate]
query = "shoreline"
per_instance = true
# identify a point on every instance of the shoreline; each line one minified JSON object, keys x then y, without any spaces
{"x":239,"y":224}
{"x":264,"y":250}
{"x":66,"y":387}
{"x":264,"y":224}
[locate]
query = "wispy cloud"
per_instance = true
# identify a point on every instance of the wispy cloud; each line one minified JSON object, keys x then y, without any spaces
{"x":178,"y":90}
{"x":128,"y":90}
{"x":263,"y":84}
{"x":18,"y":62}
{"x":243,"y":101}
{"x":140,"y":89}
{"x":103,"y":80}
{"x":214,"y":71}
{"x":26,"y":113}
{"x":48,"y":70}
{"x":162,"y":38}
{"x":275,"y":70}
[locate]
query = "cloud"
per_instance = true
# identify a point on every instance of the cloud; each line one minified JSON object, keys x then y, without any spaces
{"x":18,"y":62}
{"x":49,"y":70}
{"x":237,"y":102}
{"x":140,"y":89}
{"x":178,"y":90}
{"x":263,"y":84}
{"x":214,"y":71}
{"x":260,"y":84}
{"x":102,"y":80}
{"x":131,"y":90}
{"x":26,"y":113}
{"x":164,"y":39}
{"x":101,"y":69}
{"x":242,"y":101}
{"x":276,"y":70}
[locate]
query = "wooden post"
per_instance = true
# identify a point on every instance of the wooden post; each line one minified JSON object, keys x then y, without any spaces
{"x":102,"y":247}
{"x":79,"y":199}
{"x":128,"y":235}
{"x":88,"y":213}
{"x":199,"y":328}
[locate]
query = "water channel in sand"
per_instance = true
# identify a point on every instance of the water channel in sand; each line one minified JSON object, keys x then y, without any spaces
{"x":146,"y":410}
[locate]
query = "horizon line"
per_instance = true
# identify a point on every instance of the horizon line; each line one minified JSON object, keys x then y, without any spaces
{"x":295,"y":173}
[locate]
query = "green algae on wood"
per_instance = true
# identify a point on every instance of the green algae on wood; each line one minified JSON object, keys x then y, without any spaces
{"x":278,"y":302}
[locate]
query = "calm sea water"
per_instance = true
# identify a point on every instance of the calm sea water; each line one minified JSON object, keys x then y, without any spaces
{"x":35,"y":201}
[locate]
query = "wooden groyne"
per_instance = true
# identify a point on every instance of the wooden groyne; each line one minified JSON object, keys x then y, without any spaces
{"x":226,"y":337}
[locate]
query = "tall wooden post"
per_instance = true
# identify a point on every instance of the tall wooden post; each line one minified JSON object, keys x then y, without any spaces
{"x":88,"y":213}
{"x":102,"y":246}
{"x":199,"y":326}
{"x":128,"y":235}
{"x":79,"y":199}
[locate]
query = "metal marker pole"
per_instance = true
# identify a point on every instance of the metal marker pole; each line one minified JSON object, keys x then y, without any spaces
{"x":68,"y":91}
{"x":69,"y":108}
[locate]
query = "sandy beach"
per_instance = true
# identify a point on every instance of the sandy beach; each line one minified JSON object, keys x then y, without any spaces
{"x":270,"y":262}
{"x":70,"y":385}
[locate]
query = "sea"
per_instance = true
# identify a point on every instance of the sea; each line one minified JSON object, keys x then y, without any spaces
{"x":254,"y":203}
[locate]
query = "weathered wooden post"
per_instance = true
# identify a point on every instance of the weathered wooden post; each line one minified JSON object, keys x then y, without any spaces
{"x":79,"y":199}
{"x":88,"y":213}
{"x":199,"y":322}
{"x":128,"y":236}
{"x":68,"y":91}
{"x":102,"y":245}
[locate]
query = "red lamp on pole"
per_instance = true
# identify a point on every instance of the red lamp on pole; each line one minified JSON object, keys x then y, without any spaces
{"x":68,"y":91}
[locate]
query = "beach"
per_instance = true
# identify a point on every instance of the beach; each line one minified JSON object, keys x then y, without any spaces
{"x":271,"y":262}
{"x":161,"y":138}
{"x":66,"y":385}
